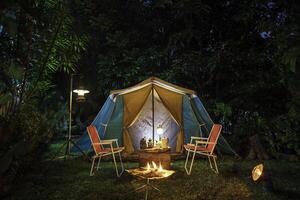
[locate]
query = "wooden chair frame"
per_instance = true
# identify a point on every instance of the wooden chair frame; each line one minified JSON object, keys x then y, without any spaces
{"x":202,"y":141}
{"x":109,"y":151}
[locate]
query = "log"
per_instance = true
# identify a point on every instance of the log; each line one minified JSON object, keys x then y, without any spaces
{"x":256,"y":149}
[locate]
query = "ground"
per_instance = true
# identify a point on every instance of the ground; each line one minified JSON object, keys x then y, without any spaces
{"x":69,"y":179}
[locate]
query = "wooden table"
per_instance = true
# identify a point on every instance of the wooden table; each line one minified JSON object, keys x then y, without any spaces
{"x":157,"y":155}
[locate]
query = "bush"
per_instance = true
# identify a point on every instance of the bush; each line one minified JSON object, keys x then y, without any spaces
{"x":282,"y":135}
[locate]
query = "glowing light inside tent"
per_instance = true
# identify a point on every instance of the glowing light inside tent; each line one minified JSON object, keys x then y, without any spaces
{"x":160,"y":130}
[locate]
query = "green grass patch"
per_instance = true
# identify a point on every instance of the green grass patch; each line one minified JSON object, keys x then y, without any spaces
{"x":69,"y":179}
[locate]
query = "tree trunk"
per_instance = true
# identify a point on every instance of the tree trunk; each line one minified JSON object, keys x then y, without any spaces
{"x":256,"y":149}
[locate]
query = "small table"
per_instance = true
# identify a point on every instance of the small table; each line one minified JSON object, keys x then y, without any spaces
{"x":157,"y":155}
{"x":152,"y":174}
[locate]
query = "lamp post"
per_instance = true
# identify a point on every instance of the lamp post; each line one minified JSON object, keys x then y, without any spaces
{"x":80,"y":98}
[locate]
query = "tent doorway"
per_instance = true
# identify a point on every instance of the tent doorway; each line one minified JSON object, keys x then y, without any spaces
{"x":152,"y":115}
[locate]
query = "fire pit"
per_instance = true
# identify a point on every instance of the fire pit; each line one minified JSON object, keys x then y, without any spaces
{"x":161,"y":156}
{"x":150,"y":172}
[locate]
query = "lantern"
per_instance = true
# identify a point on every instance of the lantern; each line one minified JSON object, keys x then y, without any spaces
{"x":80,"y":94}
{"x":160,"y":131}
{"x":257,"y":172}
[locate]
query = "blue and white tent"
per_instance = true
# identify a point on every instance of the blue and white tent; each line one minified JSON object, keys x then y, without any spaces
{"x":135,"y":112}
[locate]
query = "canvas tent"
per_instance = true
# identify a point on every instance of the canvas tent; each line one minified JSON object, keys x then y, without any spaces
{"x":135,"y":112}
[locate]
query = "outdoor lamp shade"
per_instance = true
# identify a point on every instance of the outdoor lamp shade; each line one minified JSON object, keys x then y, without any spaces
{"x":80,"y":92}
{"x":257,"y":172}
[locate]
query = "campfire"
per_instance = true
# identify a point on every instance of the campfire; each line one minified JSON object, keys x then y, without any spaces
{"x":151,"y":171}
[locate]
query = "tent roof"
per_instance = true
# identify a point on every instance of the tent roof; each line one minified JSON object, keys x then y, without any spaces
{"x":154,"y":81}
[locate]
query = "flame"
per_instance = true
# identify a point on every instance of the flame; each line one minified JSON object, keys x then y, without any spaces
{"x":148,"y":166}
{"x":154,"y":165}
{"x":160,"y":169}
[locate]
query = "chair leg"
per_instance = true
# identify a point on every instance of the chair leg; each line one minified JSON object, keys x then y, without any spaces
{"x":115,"y":162}
{"x":186,"y":161}
{"x":122,"y":166}
{"x":188,"y":171}
{"x":99,"y":160}
{"x":216,"y":166}
{"x":208,"y":157}
{"x":92,"y":167}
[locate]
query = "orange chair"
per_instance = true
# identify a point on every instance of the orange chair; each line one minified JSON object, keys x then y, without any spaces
{"x":100,"y":151}
{"x":203,"y":146}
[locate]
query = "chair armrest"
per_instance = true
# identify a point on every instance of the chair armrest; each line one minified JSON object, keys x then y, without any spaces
{"x":198,"y":138}
{"x":102,"y":142}
{"x":204,"y":142}
{"x":110,"y":140}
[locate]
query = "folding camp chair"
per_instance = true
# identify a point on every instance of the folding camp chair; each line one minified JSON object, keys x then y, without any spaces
{"x":203,"y":146}
{"x":100,"y":151}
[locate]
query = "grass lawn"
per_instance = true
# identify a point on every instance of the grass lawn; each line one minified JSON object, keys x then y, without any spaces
{"x":70,"y":180}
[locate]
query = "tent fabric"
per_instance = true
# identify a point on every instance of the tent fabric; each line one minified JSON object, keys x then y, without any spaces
{"x":127,"y":115}
{"x":154,"y":81}
{"x":173,"y":102}
{"x":204,"y":117}
{"x":114,"y":127}
{"x":190,"y":123}
{"x":143,"y":126}
{"x":133,"y":103}
{"x":100,"y":122}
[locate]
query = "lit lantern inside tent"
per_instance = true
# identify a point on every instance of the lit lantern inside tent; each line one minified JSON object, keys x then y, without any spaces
{"x":80,"y":92}
{"x":257,"y":172}
{"x":160,"y":131}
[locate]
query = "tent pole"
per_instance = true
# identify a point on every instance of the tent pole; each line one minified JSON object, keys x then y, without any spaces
{"x":70,"y":117}
{"x":152,"y":114}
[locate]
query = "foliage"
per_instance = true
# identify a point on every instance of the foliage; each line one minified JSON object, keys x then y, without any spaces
{"x":37,"y":40}
{"x":240,"y":56}
{"x":282,"y":135}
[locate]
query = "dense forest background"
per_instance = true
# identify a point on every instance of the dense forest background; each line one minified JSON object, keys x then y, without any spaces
{"x":241,"y":57}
